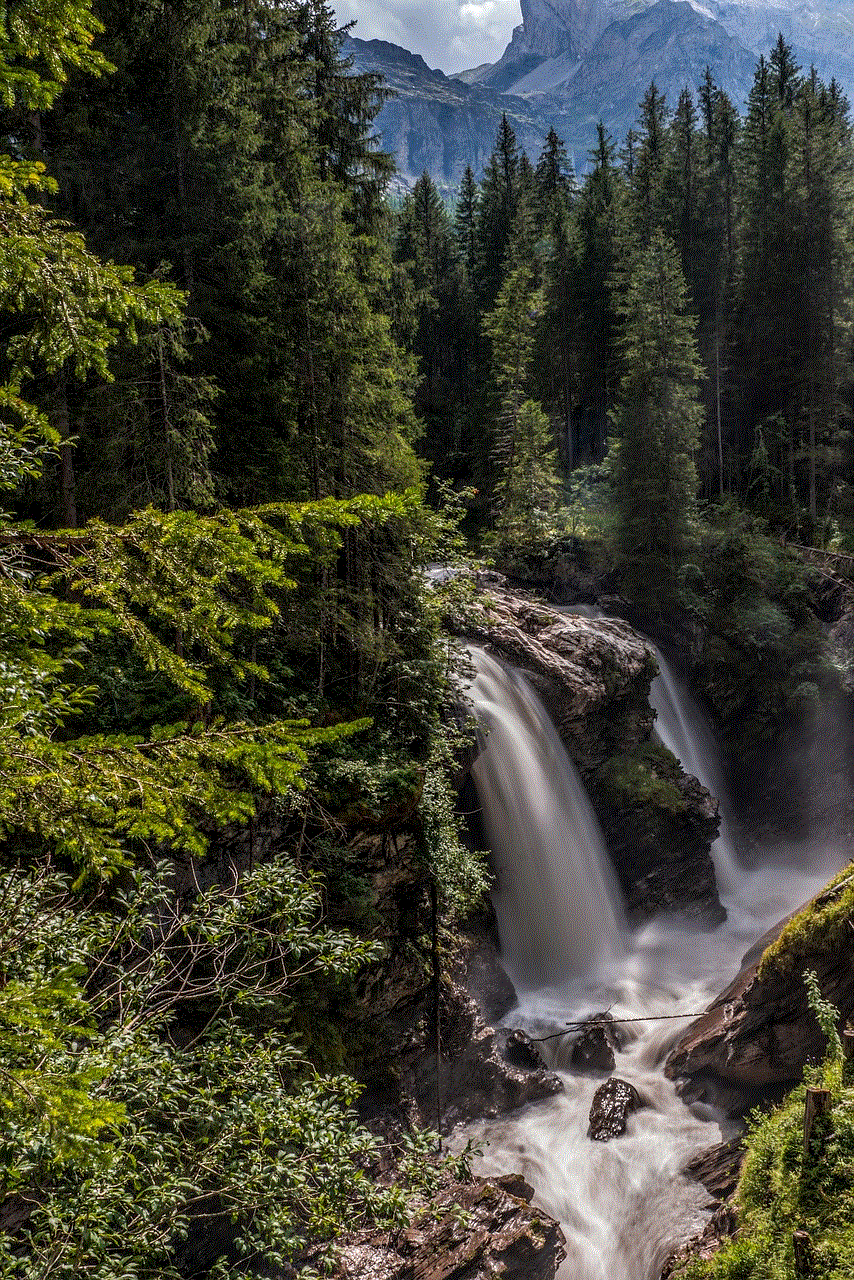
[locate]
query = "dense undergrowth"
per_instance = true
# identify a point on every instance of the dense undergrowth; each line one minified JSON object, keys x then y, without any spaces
{"x":783,"y":1191}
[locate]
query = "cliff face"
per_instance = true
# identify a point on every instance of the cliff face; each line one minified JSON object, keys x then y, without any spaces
{"x":594,"y":678}
{"x":760,"y":1032}
{"x":571,"y":63}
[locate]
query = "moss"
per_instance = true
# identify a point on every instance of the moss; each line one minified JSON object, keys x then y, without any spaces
{"x":822,"y":926}
{"x":780,"y":1192}
{"x":644,"y":777}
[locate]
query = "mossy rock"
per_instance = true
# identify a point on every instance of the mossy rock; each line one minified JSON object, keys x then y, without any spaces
{"x":643,"y":778}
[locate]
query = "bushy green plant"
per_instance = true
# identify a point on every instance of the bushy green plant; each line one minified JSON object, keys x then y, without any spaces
{"x":196,"y":1117}
{"x":782,"y":1190}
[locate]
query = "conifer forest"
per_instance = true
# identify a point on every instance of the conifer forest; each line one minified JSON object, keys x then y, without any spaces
{"x":251,"y":396}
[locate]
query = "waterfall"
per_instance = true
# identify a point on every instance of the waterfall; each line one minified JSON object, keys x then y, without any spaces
{"x":682,"y":729}
{"x":622,"y":1205}
{"x":556,"y":898}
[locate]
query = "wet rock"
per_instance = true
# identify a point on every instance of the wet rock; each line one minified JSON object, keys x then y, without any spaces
{"x":593,"y":675}
{"x":613,"y":1103}
{"x":761,"y":1032}
{"x":476,"y":1079}
{"x":594,"y":1049}
{"x":718,"y":1168}
{"x":702,"y":1248}
{"x":520,"y":1051}
{"x":476,"y":1231}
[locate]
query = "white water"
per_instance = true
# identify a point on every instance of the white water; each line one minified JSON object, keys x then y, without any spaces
{"x":623,"y":1205}
{"x":556,"y":898}
{"x":681,"y":727}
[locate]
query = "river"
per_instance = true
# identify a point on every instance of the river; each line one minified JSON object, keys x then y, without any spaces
{"x":623,"y":1205}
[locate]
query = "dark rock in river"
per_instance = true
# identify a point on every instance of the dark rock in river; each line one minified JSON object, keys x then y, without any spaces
{"x":595,"y":1047}
{"x":613,"y":1103}
{"x":520,"y":1051}
{"x":476,"y":1231}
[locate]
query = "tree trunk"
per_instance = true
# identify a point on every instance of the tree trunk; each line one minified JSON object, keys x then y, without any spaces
{"x":67,"y":483}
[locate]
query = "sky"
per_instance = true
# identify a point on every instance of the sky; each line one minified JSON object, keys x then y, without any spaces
{"x":450,"y":34}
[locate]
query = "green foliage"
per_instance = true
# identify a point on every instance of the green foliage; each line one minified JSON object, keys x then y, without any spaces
{"x":461,"y":874}
{"x":781,"y":1190}
{"x":827,"y":1016}
{"x":764,"y":647}
{"x":641,"y":779}
{"x":39,"y":41}
{"x":657,"y":423}
{"x":233,"y":1130}
{"x":94,"y":798}
{"x":822,"y":925}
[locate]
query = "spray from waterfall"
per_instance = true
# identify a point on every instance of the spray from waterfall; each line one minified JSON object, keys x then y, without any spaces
{"x":556,"y":900}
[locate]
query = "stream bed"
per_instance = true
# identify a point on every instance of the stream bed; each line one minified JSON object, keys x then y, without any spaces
{"x":623,"y":1205}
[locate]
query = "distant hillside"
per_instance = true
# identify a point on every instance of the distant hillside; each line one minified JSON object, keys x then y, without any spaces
{"x":571,"y":63}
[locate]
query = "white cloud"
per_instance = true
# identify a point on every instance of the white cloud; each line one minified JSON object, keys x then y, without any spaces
{"x":450,"y":34}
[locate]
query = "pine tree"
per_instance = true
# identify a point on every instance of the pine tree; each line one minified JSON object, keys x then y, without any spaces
{"x":657,"y":422}
{"x":646,"y":204}
{"x":465,"y":222}
{"x":556,"y":188}
{"x":500,"y":192}
{"x":597,"y":239}
{"x":524,"y":459}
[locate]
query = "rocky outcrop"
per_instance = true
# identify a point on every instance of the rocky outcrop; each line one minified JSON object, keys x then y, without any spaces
{"x":438,"y":123}
{"x":390,"y":1025}
{"x":761,"y":1032}
{"x":475,"y":1231}
{"x":718,"y":1169}
{"x":594,"y":1050}
{"x":593,"y":675}
{"x":613,"y":1103}
{"x":480,"y":1073}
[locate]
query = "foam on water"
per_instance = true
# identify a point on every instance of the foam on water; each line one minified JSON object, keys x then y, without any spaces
{"x":623,"y":1205}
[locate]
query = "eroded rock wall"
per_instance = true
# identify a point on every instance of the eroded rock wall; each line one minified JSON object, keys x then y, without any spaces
{"x":594,"y":676}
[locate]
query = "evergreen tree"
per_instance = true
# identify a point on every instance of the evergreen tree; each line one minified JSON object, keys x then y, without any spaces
{"x":597,"y":249}
{"x":555,"y":181}
{"x":646,"y":185}
{"x":657,"y":423}
{"x":496,"y":213}
{"x":465,"y":223}
{"x":525,"y":480}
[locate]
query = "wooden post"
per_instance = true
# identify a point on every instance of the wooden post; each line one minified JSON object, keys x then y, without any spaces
{"x":816,"y":1103}
{"x":848,"y":1043}
{"x":803,"y":1253}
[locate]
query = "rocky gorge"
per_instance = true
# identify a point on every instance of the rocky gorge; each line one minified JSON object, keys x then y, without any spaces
{"x":593,"y":675}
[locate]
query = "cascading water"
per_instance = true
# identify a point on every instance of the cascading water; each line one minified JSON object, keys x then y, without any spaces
{"x":623,"y":1205}
{"x":556,"y":899}
{"x":681,"y":728}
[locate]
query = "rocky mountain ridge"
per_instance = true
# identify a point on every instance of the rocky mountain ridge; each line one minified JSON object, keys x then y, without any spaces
{"x":571,"y":63}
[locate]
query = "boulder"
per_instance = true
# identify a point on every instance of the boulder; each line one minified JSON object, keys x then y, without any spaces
{"x":593,"y":675}
{"x":520,"y":1051}
{"x":718,"y":1168}
{"x":595,"y":1047}
{"x":475,"y":1231}
{"x":613,"y":1103}
{"x":760,"y":1032}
